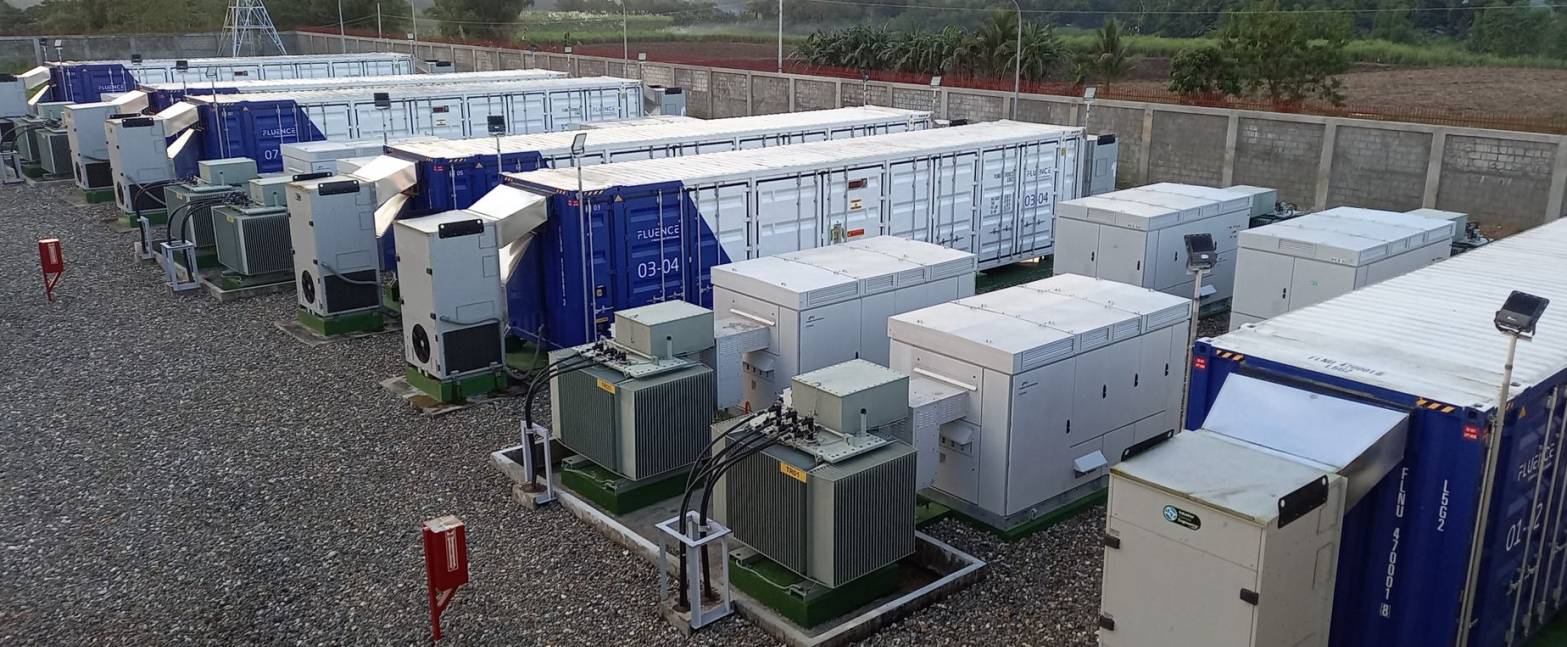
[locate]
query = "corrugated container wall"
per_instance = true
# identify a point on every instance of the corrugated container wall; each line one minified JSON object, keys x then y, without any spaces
{"x":1425,"y":343}
{"x":88,"y":81}
{"x":659,"y":226}
{"x":163,"y":95}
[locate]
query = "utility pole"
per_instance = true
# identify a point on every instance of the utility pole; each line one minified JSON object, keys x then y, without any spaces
{"x":379,"y":33}
{"x":780,"y":36}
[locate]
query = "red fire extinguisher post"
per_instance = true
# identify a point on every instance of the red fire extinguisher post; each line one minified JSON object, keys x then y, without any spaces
{"x":53,"y":264}
{"x":445,"y":563}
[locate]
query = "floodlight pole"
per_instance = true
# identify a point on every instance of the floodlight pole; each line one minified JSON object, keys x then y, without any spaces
{"x":342,"y":33}
{"x":1492,"y":457}
{"x":1191,"y":343}
{"x":1017,"y":74}
{"x":780,"y":36}
{"x":625,"y":40}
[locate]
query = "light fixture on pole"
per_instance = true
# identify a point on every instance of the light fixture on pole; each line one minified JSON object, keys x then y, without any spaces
{"x":571,"y":61}
{"x":383,"y":105}
{"x":1017,"y":55}
{"x":780,"y":36}
{"x":497,"y":129}
{"x":1088,"y":102}
{"x":935,"y":95}
{"x":865,"y":87}
{"x":1517,"y":319}
{"x":641,"y":63}
{"x":1201,"y":256}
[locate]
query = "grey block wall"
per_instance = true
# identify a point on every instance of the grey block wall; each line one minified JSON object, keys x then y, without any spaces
{"x":1187,"y":148}
{"x":1379,"y":169}
{"x":1513,"y":178}
{"x":1495,"y":179}
{"x":1279,"y":155}
{"x":20,"y":51}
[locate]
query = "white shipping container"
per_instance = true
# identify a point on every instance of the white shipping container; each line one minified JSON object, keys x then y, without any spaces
{"x":1298,"y":262}
{"x":323,"y":156}
{"x":1138,"y":236}
{"x":829,"y":305}
{"x":989,"y":189}
{"x":1064,"y":375}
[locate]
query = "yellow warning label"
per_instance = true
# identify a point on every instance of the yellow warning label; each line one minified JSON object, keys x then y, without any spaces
{"x":793,"y":472}
{"x":606,"y":386}
{"x":854,"y":204}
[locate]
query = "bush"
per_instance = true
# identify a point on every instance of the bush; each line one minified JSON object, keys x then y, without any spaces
{"x":1204,"y":72}
{"x":1511,"y":31}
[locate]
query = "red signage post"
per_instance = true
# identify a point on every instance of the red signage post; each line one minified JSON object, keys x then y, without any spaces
{"x":53,"y":264}
{"x":445,"y":563}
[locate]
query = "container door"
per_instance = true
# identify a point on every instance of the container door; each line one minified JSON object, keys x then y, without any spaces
{"x":1078,"y":248}
{"x":956,"y":201}
{"x":786,"y":215}
{"x":999,"y":214}
{"x":908,"y":199}
{"x":527,"y":114}
{"x":1040,"y":185}
{"x":375,"y":123}
{"x":1121,"y":255}
{"x":1155,"y":586}
{"x":854,"y":206}
{"x":1262,"y":283}
{"x":651,"y":256}
{"x":1091,"y":406}
{"x":1038,"y":457}
{"x":1316,"y":281}
{"x":565,"y":110}
{"x":723,"y":215}
{"x":1543,"y":600}
{"x":446,"y":118}
{"x":1152,"y":382}
{"x":479,"y":110}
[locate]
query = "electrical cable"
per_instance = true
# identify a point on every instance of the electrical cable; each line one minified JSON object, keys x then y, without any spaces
{"x":344,"y":277}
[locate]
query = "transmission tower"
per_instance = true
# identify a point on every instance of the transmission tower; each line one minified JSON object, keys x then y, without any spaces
{"x":248,"y":23}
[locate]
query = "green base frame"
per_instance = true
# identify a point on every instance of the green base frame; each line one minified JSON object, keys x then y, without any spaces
{"x":237,"y":281}
{"x":98,"y":196}
{"x":1035,"y":525}
{"x":362,"y":321}
{"x":617,"y":494}
{"x":927,"y":512}
{"x":803,"y":602}
{"x":152,"y":217}
{"x":456,"y":390}
{"x":392,"y":299}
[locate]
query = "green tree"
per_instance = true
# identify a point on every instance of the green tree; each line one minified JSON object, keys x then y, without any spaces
{"x":1510,"y":29}
{"x":489,"y":19}
{"x":1394,"y":23}
{"x":1204,"y":72}
{"x":1108,"y":59}
{"x":1276,"y":56}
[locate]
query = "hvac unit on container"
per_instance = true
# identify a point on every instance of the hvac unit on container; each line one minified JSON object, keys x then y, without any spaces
{"x":1137,"y":236}
{"x":88,"y":81}
{"x":640,"y":404}
{"x":1452,"y":518}
{"x":19,"y":92}
{"x":41,"y":141}
{"x":830,"y":304}
{"x":660,"y":226}
{"x":836,"y":502}
{"x":1301,"y":261}
{"x":150,"y":149}
{"x":89,"y":142}
{"x":1063,"y":376}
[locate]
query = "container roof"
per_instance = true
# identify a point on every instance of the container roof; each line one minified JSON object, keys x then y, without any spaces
{"x":692,"y":131}
{"x":402,"y":92}
{"x":363,"y":81}
{"x":239,"y":60}
{"x":1430,"y":333}
{"x":815,"y":156}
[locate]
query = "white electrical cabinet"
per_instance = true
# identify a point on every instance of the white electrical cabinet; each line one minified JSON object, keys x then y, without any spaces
{"x":1298,"y":262}
{"x":1197,"y":551}
{"x":1138,"y":236}
{"x":451,"y":324}
{"x":1063,"y":376}
{"x":830,"y":304}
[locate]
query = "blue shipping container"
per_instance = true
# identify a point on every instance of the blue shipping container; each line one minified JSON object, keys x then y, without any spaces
{"x":87,"y":82}
{"x":1425,"y":343}
{"x":255,"y":129}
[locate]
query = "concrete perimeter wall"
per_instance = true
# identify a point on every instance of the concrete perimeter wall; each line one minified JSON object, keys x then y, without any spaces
{"x":1513,"y":179}
{"x":21,"y":50}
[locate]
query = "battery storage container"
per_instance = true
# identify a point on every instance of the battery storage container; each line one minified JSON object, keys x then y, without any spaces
{"x":1425,"y":343}
{"x":658,"y":227}
{"x":163,"y":95}
{"x":87,"y":81}
{"x":1292,"y":264}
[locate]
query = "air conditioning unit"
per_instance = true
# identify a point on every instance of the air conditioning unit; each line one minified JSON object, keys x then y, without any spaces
{"x":837,"y":503}
{"x":661,"y":100}
{"x":54,"y":151}
{"x":253,"y":240}
{"x":643,"y":405}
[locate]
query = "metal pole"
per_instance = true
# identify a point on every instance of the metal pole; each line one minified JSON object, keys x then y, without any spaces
{"x":780,"y":36}
{"x":1017,"y":74}
{"x":1191,"y":341}
{"x":413,"y":50}
{"x":342,"y":34}
{"x":1492,"y":456}
{"x":379,"y":33}
{"x":625,"y":42}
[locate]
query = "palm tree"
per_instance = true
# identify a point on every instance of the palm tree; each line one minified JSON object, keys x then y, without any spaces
{"x":1108,"y":59}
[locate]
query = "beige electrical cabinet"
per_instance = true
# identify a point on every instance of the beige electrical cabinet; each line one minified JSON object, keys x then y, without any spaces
{"x":1213,"y":542}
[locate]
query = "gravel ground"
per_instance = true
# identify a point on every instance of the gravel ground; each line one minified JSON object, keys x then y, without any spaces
{"x":177,"y":471}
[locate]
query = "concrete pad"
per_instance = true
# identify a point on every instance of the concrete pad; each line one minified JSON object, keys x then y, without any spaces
{"x":430,"y":406}
{"x":225,"y":296}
